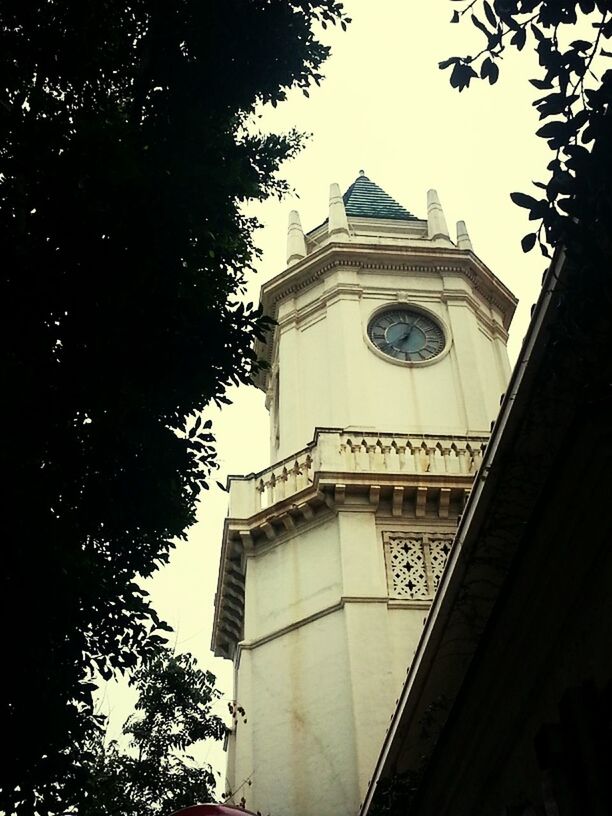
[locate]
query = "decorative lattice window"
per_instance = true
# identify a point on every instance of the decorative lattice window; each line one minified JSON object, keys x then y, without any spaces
{"x":439,"y":549}
{"x":415,"y":563}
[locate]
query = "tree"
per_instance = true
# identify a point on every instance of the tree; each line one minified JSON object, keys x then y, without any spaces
{"x":575,"y":207}
{"x":128,"y":148}
{"x":156,"y":774}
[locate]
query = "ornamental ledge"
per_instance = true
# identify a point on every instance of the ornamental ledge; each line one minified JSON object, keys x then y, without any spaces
{"x":372,"y":257}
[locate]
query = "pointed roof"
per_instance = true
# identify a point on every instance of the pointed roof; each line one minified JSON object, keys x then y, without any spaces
{"x":367,"y":200}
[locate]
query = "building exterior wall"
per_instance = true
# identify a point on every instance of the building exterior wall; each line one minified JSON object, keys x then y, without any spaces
{"x":323,"y":350}
{"x":322,"y":662}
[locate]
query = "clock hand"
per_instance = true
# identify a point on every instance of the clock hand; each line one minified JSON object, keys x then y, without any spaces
{"x":407,"y":335}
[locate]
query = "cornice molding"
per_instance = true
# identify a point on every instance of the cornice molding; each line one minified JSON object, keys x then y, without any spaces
{"x":384,"y":258}
{"x":444,"y":262}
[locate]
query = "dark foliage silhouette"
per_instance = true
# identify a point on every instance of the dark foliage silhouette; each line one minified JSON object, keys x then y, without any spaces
{"x":127,"y":149}
{"x":574,"y":207}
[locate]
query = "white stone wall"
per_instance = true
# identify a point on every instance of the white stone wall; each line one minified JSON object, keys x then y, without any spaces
{"x":291,"y":581}
{"x":321,"y":665}
{"x":331,"y":376}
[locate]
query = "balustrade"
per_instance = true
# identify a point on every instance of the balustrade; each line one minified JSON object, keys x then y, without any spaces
{"x":342,"y":452}
{"x":284,"y":480}
{"x":403,"y":454}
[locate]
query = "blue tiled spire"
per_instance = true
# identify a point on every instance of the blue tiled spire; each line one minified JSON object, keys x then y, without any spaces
{"x":367,"y":200}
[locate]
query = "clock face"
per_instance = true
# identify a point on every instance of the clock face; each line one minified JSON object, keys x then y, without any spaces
{"x":406,"y":335}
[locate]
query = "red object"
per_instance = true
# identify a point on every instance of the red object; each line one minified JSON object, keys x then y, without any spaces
{"x":213,"y":810}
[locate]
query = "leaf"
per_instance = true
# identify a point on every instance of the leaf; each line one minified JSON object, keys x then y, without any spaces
{"x":587,"y":135}
{"x":561,"y":182}
{"x":528,"y":241}
{"x":480,"y":26}
{"x":568,"y":205}
{"x":577,"y":152}
{"x":581,"y":45}
{"x":489,"y":70}
{"x":519,"y":38}
{"x":523,"y":200}
{"x":490,"y":15}
{"x":539,"y":209}
{"x":580,"y":119}
{"x":554,"y":104}
{"x":552,"y":130}
{"x":455,"y":17}
{"x":447,"y":62}
{"x":461,"y":76}
{"x":541,"y":84}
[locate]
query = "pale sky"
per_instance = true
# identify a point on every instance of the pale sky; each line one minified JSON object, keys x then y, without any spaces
{"x":386,"y":108}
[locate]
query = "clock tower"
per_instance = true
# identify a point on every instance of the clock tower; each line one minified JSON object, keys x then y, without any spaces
{"x":385,"y":369}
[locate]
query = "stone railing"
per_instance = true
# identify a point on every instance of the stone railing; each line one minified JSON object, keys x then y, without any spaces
{"x":336,"y":451}
{"x":283,"y":480}
{"x":395,"y":453}
{"x":250,"y":494}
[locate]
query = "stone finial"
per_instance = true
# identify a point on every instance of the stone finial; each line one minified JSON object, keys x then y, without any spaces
{"x":338,"y":223}
{"x":436,"y":222}
{"x":463,"y":239}
{"x":296,"y":243}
